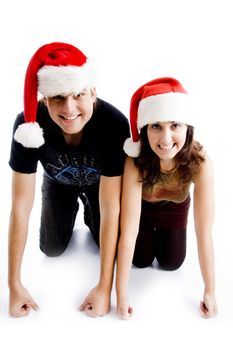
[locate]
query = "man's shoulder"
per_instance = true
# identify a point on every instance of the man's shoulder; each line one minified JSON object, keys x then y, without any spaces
{"x":41,"y":112}
{"x":106,"y":107}
{"x":19,"y":120}
{"x":109,"y":114}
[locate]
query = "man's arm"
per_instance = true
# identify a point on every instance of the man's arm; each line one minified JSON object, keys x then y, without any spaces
{"x":97,"y":303}
{"x":23,"y":190}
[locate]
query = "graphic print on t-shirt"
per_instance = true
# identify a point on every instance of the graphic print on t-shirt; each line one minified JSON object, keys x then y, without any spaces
{"x":73,"y":169}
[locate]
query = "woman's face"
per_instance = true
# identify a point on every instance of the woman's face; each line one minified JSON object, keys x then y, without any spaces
{"x":166,"y":139}
{"x":71,"y":112}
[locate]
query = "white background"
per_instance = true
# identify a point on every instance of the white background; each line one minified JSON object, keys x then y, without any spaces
{"x":132,"y":42}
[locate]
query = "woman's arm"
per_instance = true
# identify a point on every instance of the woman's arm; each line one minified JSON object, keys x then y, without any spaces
{"x":23,"y":190}
{"x":129,"y":225}
{"x":203,"y":219}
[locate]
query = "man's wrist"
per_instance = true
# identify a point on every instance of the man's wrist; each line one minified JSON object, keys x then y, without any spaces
{"x":105,"y":284}
{"x":14,"y":284}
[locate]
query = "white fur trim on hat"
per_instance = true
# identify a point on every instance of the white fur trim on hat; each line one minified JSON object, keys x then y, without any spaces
{"x":172,"y":106}
{"x":30,"y":135}
{"x":64,"y":80}
{"x":132,"y":148}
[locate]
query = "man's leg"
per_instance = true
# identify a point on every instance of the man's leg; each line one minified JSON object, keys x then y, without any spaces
{"x":90,"y":201}
{"x":59,"y":210}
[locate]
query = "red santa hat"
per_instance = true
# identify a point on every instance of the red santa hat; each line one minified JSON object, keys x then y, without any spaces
{"x":159,"y":100}
{"x":55,"y":69}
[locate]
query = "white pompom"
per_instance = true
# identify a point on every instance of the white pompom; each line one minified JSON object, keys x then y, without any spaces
{"x":30,"y":135}
{"x":132,"y":148}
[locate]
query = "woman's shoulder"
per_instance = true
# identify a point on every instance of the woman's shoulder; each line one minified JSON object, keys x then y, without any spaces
{"x":131,"y":173}
{"x":205,"y":169}
{"x":130,"y":166}
{"x":205,"y":155}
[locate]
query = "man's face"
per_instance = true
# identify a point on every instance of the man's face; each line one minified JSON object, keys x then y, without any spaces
{"x":72,"y":112}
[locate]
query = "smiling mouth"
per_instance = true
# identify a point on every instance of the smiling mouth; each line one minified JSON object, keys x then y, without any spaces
{"x":166,"y":149}
{"x":69,"y":118}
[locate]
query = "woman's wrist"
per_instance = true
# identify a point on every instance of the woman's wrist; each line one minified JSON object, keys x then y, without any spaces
{"x":121,"y":293}
{"x":209,"y":291}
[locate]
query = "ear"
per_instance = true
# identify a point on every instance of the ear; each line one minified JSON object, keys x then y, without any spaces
{"x":45,"y":101}
{"x":93,"y":93}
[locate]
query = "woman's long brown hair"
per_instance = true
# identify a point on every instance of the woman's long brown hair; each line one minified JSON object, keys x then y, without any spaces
{"x":187,"y":160}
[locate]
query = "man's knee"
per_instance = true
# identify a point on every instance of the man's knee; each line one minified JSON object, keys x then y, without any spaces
{"x":52,"y":251}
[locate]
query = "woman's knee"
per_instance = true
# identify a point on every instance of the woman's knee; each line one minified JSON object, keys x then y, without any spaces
{"x":142,"y":263}
{"x":171,"y":264}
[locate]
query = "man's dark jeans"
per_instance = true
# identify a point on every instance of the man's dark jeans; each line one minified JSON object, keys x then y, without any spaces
{"x":59,"y":209}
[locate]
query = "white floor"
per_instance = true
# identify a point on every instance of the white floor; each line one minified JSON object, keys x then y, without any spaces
{"x":133,"y":42}
{"x":165,"y":303}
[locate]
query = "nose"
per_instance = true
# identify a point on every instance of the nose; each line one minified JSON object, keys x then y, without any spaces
{"x":69,"y":107}
{"x":166,"y":136}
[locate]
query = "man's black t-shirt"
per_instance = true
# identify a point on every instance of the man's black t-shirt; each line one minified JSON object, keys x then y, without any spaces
{"x":100,"y":151}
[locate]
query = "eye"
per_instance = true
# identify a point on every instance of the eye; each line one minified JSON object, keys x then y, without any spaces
{"x":155,"y":126}
{"x":176,"y":125}
{"x":80,"y":94}
{"x":57,"y":98}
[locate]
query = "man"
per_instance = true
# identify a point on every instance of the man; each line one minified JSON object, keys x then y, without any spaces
{"x":78,"y":138}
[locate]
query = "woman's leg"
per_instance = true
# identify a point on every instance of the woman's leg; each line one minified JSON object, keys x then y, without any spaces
{"x":170,"y":248}
{"x":144,"y":252}
{"x":58,"y":214}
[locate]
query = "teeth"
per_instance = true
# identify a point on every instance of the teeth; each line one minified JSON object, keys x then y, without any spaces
{"x":70,"y":118}
{"x":166,"y":148}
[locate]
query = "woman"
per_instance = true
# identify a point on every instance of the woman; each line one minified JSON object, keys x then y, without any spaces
{"x":164,"y":161}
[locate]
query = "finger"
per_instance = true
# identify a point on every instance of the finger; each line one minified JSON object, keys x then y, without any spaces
{"x":211,"y":311}
{"x":203,"y":309}
{"x":83,"y":305}
{"x":87,"y":306}
{"x":130,"y":310}
{"x":19,"y":313}
{"x":125,"y":315}
{"x":23,"y":311}
{"x":203,"y":306}
{"x":91,"y":312}
{"x":34,"y":306}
